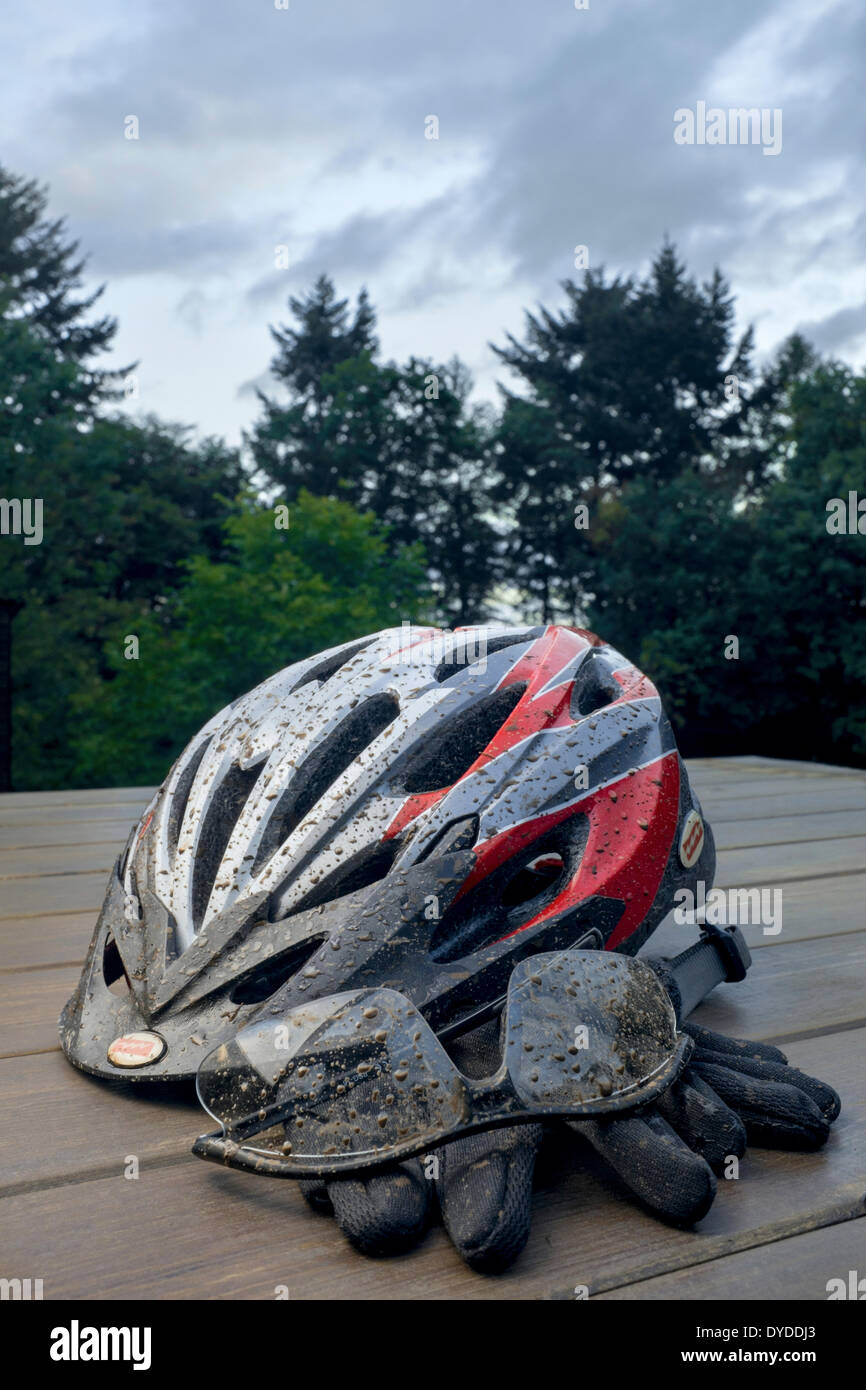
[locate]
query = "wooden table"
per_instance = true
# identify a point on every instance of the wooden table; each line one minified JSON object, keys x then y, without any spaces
{"x":185,"y":1229}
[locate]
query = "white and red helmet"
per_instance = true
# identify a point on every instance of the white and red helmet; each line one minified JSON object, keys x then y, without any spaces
{"x":419,"y":809}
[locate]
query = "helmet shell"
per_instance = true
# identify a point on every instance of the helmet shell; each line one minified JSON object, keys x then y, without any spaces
{"x":418,"y":809}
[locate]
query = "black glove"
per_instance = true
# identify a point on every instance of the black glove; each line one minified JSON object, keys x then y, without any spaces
{"x":731,"y":1092}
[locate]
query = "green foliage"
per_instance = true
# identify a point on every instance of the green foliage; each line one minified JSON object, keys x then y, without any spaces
{"x":706,"y":484}
{"x":683,"y":567}
{"x":627,"y":381}
{"x":295,"y":442}
{"x":808,"y":586}
{"x":278,"y":596}
{"x":669,"y":592}
{"x":403,"y":442}
{"x":124,"y":505}
{"x":40,"y":274}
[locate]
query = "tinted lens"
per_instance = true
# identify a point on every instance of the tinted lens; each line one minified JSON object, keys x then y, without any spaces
{"x":587,"y":1030}
{"x":356,"y":1077}
{"x":360,"y":1079}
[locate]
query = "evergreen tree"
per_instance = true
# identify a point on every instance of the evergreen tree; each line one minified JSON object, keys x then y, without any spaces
{"x":402,"y":442}
{"x":763,"y":440}
{"x":122,"y":504}
{"x":40,"y":279}
{"x":628,"y":380}
{"x":292,"y":443}
{"x":686,"y":566}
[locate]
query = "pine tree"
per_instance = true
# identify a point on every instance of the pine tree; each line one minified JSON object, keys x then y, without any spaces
{"x":629,"y":380}
{"x":404,"y":443}
{"x":40,"y":276}
{"x":292,"y":444}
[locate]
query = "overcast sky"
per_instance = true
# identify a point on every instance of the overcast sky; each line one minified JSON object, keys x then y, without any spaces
{"x":305,"y":127}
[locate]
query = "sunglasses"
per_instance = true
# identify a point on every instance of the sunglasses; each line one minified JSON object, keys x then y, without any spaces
{"x":360,"y":1079}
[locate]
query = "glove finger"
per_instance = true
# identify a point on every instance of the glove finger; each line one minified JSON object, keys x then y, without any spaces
{"x":383,"y":1215}
{"x":824,"y":1096}
{"x":655,"y":1163}
{"x":776,"y":1114}
{"x":701,"y":1118}
{"x":315,"y":1192}
{"x":707,"y":1041}
{"x":485,"y":1194}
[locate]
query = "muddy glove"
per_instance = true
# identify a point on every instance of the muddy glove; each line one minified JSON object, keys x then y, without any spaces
{"x":731,"y":1093}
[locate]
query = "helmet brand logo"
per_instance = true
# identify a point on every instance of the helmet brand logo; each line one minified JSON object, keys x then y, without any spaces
{"x":691,"y":840}
{"x":136,"y":1049}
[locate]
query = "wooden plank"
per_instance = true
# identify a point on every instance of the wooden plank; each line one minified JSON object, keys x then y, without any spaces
{"x":800,"y":1267}
{"x":738,"y":810}
{"x":827,"y":978}
{"x":198,"y":1231}
{"x":82,"y":892}
{"x":68,"y":1135}
{"x":38,"y":814}
{"x":812,"y":908}
{"x":41,"y":897}
{"x":29,"y":941}
{"x":101,"y":796}
{"x":30,"y":1004}
{"x":59,"y":859}
{"x":776,"y":808}
{"x":759,"y":763}
{"x":789,"y":775}
{"x":59,"y":1123}
{"x":779,"y":830}
{"x":745,"y":781}
{"x":799,"y":772}
{"x":797,"y":988}
{"x":771,"y":864}
{"x":26,"y":835}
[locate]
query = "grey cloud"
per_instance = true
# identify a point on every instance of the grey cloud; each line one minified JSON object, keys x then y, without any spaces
{"x":265,"y":381}
{"x":305,"y":128}
{"x":137,"y":246}
{"x":355,"y":248}
{"x":838,"y":333}
{"x":589,"y":156}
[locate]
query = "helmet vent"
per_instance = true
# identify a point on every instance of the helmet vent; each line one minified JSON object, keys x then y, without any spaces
{"x":260,"y":984}
{"x":594,"y":686}
{"x":364,"y":869}
{"x":113,"y":971}
{"x":333,"y":663}
{"x":320,"y":770}
{"x":461,"y":650}
{"x":456,"y":835}
{"x":536,"y":878}
{"x":177,"y":809}
{"x":219,"y":822}
{"x":451,"y":750}
{"x":511,"y":895}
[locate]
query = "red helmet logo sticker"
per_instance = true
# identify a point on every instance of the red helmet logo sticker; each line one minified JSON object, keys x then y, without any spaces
{"x":691,"y":840}
{"x":136,"y":1049}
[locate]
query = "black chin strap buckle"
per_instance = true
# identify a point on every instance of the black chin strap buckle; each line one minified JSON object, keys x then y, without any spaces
{"x":720,"y":956}
{"x":731,"y":946}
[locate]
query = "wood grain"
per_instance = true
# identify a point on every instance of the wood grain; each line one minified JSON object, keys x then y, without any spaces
{"x":205,"y":1232}
{"x":789,"y":1223}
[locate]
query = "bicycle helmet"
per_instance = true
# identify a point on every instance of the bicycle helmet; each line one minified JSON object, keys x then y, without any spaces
{"x":420,"y":810}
